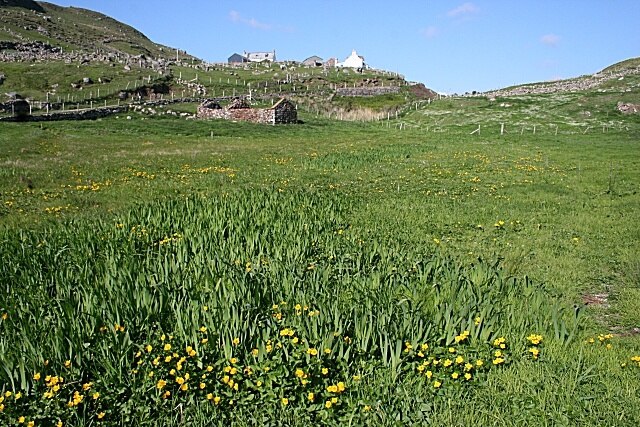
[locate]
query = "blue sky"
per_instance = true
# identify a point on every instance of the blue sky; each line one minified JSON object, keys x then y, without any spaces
{"x":451,"y":46}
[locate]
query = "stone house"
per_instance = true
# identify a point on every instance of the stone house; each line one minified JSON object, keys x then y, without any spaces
{"x":313,"y":61}
{"x":236,"y":58}
{"x":21,"y":109}
{"x":283,"y":111}
{"x":331,"y":62}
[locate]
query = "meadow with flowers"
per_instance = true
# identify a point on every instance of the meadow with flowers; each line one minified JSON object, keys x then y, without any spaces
{"x":158,"y":271}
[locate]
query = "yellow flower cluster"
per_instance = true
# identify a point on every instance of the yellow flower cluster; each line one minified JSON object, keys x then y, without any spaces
{"x":536,"y":341}
{"x":462,"y":337}
{"x":500,"y":343}
{"x":603,"y":339}
{"x":77,"y":399}
{"x":175,"y":237}
{"x":337,"y":388}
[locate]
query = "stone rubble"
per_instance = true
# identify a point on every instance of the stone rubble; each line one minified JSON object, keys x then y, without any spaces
{"x":571,"y":85}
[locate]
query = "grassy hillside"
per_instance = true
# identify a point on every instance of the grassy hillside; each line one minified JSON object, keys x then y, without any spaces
{"x":73,"y":29}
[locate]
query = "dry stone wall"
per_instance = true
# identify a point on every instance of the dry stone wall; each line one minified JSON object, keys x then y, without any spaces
{"x":367,"y":91}
{"x":93,"y":114}
{"x":256,"y":115}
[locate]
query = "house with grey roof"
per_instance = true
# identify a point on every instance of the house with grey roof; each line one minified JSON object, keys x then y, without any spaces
{"x":236,"y":58}
{"x":313,"y":61}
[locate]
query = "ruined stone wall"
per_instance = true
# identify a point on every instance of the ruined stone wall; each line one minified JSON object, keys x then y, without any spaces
{"x":285,"y":113}
{"x":96,"y":113}
{"x":256,"y":115}
{"x":367,"y":91}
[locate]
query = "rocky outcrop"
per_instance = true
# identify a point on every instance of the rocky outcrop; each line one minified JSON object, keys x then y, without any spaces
{"x":628,"y":108}
{"x":571,"y":85}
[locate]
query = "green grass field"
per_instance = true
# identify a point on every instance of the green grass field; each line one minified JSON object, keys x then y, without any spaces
{"x":159,"y":271}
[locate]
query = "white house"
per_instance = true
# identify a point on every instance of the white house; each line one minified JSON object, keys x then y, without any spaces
{"x":260,"y":56}
{"x":353,"y":61}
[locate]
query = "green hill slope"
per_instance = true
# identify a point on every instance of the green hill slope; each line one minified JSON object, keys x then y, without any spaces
{"x":71,"y":28}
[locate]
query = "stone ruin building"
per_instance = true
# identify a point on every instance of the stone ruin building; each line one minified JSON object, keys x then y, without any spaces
{"x":283,"y":111}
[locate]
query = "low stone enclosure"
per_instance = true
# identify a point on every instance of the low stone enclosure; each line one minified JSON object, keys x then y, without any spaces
{"x":87,"y":114}
{"x":283,"y":111}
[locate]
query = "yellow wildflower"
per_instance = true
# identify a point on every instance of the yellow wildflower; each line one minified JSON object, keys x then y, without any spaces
{"x":534,"y":339}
